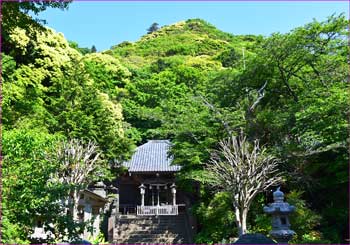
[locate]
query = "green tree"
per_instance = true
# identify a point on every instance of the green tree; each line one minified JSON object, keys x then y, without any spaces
{"x":27,"y":199}
{"x":81,"y":50}
{"x":57,"y":90}
{"x":15,"y":14}
{"x":93,"y":49}
{"x":216,"y":219}
{"x":154,"y":27}
{"x":109,"y":74}
{"x":79,"y":110}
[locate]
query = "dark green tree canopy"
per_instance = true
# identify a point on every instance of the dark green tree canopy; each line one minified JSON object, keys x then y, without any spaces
{"x":93,"y":49}
{"x":154,"y":27}
{"x":15,"y":14}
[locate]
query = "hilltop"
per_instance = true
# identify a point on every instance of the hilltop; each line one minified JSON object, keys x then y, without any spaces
{"x":174,"y":64}
{"x":191,"y":38}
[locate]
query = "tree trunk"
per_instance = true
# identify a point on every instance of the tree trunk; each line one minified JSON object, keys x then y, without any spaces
{"x":75,"y":200}
{"x":241,"y":220}
{"x":238,"y":221}
{"x":244,"y":214}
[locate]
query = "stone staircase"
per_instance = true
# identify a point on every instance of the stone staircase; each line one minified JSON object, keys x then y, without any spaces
{"x":132,"y":229}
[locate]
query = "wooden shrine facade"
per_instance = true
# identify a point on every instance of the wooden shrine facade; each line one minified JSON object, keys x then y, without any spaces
{"x":148,"y":187}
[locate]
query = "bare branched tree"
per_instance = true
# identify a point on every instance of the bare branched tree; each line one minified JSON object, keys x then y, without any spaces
{"x":77,"y":161}
{"x":244,"y":170}
{"x":261,"y":94}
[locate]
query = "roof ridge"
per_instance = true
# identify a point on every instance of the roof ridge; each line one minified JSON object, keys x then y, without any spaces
{"x":159,"y":140}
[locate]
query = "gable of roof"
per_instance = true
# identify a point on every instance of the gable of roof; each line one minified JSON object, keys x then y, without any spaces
{"x":152,"y":157}
{"x":94,"y":195}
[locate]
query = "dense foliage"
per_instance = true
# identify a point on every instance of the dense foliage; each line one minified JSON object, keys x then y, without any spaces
{"x":195,"y":85}
{"x":24,"y":152}
{"x":51,"y":92}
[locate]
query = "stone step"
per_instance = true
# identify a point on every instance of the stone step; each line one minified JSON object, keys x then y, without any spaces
{"x":151,"y":240}
{"x":173,"y":217}
{"x":151,"y":220}
{"x":140,"y":235}
{"x":155,"y":231}
{"x":137,"y":235}
{"x":159,"y":232}
{"x":149,"y":224}
{"x":150,"y":230}
{"x":146,"y":233}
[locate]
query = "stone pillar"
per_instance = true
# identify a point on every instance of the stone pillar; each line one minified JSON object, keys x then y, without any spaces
{"x":87,"y":217}
{"x":157,"y":195}
{"x":152,"y":195}
{"x":114,"y":200}
{"x":173,"y":191}
{"x":142,"y":192}
{"x":142,"y":199}
{"x":87,"y":212}
{"x":96,"y":224}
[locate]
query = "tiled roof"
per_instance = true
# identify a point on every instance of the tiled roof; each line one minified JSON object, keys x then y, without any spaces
{"x":152,"y":157}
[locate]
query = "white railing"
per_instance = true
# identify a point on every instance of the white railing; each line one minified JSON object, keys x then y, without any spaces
{"x":158,"y":210}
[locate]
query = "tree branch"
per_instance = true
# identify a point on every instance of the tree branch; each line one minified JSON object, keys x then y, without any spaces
{"x":261,"y":93}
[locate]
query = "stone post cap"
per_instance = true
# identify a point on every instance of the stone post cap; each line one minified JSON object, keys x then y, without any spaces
{"x":99,"y":184}
{"x":278,"y":196}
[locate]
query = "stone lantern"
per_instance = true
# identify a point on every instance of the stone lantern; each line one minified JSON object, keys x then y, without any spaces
{"x":142,"y":192}
{"x":280,"y":211}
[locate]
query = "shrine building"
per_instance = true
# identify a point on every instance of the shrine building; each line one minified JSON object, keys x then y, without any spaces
{"x":148,"y":187}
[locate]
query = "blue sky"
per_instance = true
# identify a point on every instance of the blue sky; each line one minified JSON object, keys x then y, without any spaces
{"x":106,"y":23}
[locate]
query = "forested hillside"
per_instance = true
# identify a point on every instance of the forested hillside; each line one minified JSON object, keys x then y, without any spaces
{"x":195,"y":85}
